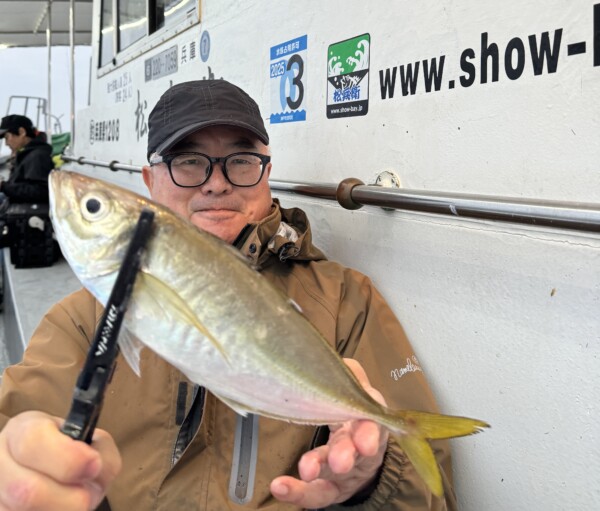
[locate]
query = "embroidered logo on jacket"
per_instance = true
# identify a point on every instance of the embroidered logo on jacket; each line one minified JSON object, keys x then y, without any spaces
{"x":412,"y":366}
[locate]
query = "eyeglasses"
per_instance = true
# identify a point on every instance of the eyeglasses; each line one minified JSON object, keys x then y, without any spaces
{"x":189,"y":170}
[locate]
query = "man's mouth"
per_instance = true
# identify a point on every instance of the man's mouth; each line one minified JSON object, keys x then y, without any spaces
{"x":215,"y":212}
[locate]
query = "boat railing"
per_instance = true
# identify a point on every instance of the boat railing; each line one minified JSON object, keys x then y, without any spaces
{"x":352,"y":193}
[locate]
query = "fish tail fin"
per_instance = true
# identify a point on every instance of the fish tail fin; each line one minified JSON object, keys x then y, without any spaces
{"x":435,"y":425}
{"x":420,"y":454}
{"x":417,"y":427}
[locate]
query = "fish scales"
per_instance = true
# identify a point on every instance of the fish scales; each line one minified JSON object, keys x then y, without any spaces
{"x":269,"y":329}
{"x":216,"y":300}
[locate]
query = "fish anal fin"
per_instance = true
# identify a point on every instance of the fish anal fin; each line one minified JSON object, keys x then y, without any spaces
{"x":236,"y":406}
{"x":244,"y":410}
{"x":130,"y":347}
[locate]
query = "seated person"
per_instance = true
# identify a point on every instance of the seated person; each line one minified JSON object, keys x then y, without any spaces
{"x":28,"y":180}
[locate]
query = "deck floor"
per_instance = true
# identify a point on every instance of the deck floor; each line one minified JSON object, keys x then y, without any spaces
{"x":28,"y":294}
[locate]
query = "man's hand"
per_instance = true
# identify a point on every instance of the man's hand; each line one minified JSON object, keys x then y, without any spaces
{"x":41,"y":468}
{"x":349,"y":462}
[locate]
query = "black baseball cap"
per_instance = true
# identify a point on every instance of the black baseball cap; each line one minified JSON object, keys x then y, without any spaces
{"x":13,"y":122}
{"x":190,"y":106}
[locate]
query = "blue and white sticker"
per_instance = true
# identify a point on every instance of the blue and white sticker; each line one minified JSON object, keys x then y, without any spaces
{"x":287,"y":73}
{"x":204,"y":46}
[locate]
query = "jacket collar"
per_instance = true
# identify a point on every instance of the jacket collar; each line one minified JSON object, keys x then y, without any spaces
{"x":32,"y":145}
{"x":284,"y":233}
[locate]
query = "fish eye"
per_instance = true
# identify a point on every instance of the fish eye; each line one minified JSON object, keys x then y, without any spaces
{"x":94,"y":206}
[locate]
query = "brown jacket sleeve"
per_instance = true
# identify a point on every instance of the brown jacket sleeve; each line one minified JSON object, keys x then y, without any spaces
{"x":44,"y":380}
{"x":376,"y":339}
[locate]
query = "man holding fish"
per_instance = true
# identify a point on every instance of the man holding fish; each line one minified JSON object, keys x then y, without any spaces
{"x":169,"y":439}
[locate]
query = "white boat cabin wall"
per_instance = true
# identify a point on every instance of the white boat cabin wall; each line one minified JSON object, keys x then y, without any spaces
{"x":486,"y":97}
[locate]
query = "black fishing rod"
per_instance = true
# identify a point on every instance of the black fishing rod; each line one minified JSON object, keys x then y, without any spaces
{"x":88,"y":395}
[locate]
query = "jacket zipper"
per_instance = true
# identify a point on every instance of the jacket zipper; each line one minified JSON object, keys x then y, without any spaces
{"x":190,"y":424}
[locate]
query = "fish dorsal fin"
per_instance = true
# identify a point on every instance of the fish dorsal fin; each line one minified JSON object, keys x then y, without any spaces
{"x":131,"y":347}
{"x":174,"y":305}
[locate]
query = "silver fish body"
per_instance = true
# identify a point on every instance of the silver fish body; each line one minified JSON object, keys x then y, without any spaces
{"x":246,"y":343}
{"x":199,"y":305}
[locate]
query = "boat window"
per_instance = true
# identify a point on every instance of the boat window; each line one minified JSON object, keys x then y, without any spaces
{"x":125,"y":22}
{"x":133,"y":22}
{"x":170,"y":12}
{"x":107,"y":34}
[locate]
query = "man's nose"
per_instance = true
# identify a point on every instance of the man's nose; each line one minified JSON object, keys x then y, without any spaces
{"x":217,"y":180}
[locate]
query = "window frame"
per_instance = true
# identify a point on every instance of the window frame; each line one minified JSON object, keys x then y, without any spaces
{"x":154,"y":38}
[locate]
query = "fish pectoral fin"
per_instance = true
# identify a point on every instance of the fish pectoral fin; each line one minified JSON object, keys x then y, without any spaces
{"x":131,"y":347}
{"x":174,"y":305}
{"x":419,"y":452}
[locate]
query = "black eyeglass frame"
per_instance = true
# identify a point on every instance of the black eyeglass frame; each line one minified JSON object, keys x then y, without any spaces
{"x":168,"y":158}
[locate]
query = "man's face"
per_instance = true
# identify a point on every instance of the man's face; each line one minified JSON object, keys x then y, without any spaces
{"x":216,"y":206}
{"x":15,"y":142}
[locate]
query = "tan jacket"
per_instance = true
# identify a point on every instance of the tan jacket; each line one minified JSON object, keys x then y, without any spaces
{"x":146,"y":415}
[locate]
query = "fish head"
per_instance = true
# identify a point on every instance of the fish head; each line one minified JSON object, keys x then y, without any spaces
{"x":93,"y":222}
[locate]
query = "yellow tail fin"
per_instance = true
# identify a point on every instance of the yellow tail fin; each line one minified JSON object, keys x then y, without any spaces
{"x":414,"y":428}
{"x":421,"y":456}
{"x":434,"y":425}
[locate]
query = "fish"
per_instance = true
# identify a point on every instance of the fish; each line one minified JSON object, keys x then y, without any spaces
{"x":200,"y":305}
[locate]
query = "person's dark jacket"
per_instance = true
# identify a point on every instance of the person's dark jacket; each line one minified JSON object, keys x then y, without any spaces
{"x":28,"y":181}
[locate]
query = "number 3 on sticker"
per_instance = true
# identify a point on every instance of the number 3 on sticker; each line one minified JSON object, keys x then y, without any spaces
{"x":291,"y":90}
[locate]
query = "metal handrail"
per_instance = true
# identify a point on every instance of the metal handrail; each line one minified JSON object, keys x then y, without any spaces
{"x":353,"y":194}
{"x":112,"y":165}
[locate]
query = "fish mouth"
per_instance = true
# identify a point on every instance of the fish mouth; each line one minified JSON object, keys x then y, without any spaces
{"x":57,"y":195}
{"x":54,"y":195}
{"x":65,"y":189}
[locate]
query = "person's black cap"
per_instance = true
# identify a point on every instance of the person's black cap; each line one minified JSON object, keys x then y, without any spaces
{"x":190,"y":106}
{"x":13,"y":122}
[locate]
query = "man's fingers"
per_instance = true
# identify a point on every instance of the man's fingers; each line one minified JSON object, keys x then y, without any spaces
{"x":23,"y":489}
{"x":342,"y":450}
{"x":337,"y":457}
{"x":334,"y":472}
{"x":44,"y":469}
{"x":353,"y":439}
{"x":104,"y":444}
{"x":64,"y":459}
{"x":309,"y":495}
{"x":358,"y":371}
{"x":368,"y":437}
{"x":311,"y":463}
{"x":363,"y":379}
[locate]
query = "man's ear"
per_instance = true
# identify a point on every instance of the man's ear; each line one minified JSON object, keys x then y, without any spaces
{"x":148,"y":177}
{"x":22,"y":131}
